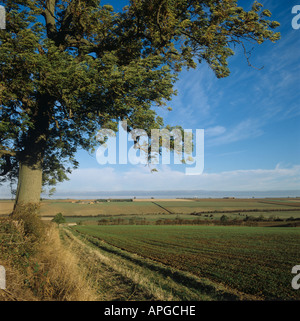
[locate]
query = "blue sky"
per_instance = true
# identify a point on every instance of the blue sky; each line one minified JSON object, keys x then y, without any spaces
{"x":251,"y":121}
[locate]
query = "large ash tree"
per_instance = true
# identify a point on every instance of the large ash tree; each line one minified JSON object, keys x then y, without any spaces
{"x":71,"y":67}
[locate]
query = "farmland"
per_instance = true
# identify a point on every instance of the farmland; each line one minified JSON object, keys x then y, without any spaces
{"x":244,"y":260}
{"x":91,"y":208}
{"x":182,"y":249}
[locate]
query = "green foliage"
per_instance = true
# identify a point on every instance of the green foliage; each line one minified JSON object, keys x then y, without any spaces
{"x":224,"y":218}
{"x":59,"y":218}
{"x":68,"y":68}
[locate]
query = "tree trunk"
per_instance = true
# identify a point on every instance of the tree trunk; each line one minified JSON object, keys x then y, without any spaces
{"x":27,"y":203}
{"x":31,"y":158}
{"x":29,"y":184}
{"x":30,"y":174}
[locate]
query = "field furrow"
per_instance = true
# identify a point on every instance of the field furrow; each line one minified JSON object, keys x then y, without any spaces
{"x":255,"y":261}
{"x":152,"y":278}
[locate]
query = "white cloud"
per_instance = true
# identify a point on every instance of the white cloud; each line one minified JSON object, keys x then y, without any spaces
{"x":139,"y":178}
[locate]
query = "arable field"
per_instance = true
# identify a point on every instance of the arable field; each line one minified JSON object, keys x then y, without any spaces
{"x":6,"y":207}
{"x":189,"y":249}
{"x":254,"y":261}
{"x":91,"y":208}
{"x":218,"y":205}
{"x":103,"y":208}
{"x":88,"y":208}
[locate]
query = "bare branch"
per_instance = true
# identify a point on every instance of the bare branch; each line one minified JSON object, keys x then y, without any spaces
{"x":248,"y":56}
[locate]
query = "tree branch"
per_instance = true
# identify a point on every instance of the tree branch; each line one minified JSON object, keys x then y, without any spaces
{"x":248,"y":56}
{"x":49,"y":14}
{"x":4,"y":152}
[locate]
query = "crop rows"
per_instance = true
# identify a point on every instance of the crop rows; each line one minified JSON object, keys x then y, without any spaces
{"x":256,"y":261}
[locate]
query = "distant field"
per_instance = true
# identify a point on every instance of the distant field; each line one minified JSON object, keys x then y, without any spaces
{"x":165,"y":207}
{"x":255,"y":261}
{"x":118,"y":208}
{"x":226,"y":205}
{"x":155,"y":207}
{"x":6,"y":207}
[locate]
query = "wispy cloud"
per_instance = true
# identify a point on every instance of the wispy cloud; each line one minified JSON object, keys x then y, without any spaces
{"x":195,"y":102}
{"x":215,"y":131}
{"x":249,"y":128}
{"x":140,"y":178}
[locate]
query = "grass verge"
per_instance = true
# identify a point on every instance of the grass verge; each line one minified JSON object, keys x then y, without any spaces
{"x":38,"y":267}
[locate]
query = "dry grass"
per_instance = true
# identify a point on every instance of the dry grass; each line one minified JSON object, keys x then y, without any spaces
{"x":40,"y":270}
{"x":112,"y":279}
{"x":128,"y":274}
{"x":16,"y":290}
{"x":59,"y":277}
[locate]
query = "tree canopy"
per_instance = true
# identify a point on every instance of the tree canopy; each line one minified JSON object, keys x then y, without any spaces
{"x":71,"y":67}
